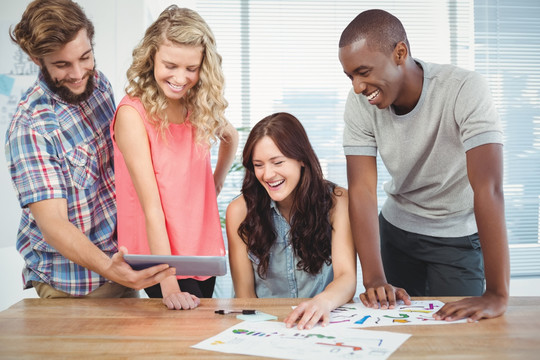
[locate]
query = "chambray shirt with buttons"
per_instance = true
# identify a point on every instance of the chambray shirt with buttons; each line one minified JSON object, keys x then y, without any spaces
{"x":59,"y":150}
{"x":283,"y":279}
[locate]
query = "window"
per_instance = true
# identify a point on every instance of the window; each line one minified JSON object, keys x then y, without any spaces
{"x":507,"y":52}
{"x":282,"y":56}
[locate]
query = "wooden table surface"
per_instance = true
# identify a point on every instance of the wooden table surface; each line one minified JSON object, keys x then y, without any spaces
{"x":144,"y":328}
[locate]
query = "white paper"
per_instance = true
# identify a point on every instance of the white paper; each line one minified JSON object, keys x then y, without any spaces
{"x":273,"y":339}
{"x":420,"y":312}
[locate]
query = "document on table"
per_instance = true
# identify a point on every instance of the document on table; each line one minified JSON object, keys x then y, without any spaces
{"x":420,"y":312}
{"x":273,"y":339}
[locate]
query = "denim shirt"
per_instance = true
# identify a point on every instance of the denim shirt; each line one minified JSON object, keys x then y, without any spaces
{"x":283,"y":279}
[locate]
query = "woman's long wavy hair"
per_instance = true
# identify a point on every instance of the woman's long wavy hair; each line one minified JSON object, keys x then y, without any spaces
{"x":311,"y":230}
{"x":205,"y":101}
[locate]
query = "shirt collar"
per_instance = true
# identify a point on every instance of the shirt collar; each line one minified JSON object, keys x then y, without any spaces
{"x":273,"y":205}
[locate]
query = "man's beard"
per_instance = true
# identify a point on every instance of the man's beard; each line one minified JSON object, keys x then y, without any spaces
{"x":57,"y":86}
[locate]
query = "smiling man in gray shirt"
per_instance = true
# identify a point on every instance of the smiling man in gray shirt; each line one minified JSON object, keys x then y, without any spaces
{"x":441,"y":231}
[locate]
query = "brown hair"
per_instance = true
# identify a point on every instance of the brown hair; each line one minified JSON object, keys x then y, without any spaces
{"x":47,"y":25}
{"x":311,"y":230}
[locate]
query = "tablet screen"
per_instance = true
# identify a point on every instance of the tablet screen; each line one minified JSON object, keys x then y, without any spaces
{"x":184,"y":265}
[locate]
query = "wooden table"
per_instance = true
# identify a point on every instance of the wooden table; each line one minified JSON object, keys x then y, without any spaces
{"x":144,"y":328}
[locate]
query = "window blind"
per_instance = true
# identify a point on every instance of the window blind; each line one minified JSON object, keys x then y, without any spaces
{"x":283,"y":56}
{"x":507,"y":52}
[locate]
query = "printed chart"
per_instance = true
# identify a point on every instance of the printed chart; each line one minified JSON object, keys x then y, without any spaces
{"x":273,"y":339}
{"x":343,"y":338}
{"x":418,"y":313}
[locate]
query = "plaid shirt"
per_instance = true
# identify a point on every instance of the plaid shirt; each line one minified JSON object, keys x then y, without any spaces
{"x":60,"y":150}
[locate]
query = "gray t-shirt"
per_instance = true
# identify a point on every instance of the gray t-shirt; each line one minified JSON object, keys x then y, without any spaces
{"x":424,"y":151}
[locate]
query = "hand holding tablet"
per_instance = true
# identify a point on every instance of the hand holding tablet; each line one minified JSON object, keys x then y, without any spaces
{"x":184,"y":265}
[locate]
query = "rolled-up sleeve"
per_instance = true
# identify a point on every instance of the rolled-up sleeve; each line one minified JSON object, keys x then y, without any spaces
{"x":34,"y":166}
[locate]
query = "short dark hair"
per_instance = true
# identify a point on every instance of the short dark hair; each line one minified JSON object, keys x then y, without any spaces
{"x":382,"y":31}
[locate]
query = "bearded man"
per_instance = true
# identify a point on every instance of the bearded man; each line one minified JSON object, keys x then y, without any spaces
{"x":59,"y":155}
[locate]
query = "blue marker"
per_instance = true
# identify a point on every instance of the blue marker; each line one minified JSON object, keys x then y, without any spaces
{"x":363,"y":320}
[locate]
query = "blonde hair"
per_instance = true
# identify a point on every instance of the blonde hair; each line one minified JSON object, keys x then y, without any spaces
{"x":48,"y":25}
{"x":205,"y":101}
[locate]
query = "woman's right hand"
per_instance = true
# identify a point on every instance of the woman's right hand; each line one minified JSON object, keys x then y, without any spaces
{"x":176,"y":299}
{"x":181,"y":300}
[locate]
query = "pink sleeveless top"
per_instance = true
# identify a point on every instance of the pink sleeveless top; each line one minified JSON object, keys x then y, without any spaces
{"x":186,"y":185}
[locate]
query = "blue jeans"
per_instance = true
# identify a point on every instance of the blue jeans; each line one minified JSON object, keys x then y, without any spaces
{"x":432,"y":266}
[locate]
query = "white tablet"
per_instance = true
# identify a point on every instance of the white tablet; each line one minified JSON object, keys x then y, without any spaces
{"x":184,"y":265}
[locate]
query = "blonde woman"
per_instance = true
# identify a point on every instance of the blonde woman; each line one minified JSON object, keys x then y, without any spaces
{"x":162,"y":132}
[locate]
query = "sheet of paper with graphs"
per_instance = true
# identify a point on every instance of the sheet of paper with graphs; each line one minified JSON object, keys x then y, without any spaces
{"x":273,"y":339}
{"x":341,"y":339}
{"x":420,"y":312}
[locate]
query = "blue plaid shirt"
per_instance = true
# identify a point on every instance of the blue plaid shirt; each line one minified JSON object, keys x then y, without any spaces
{"x":60,"y":150}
